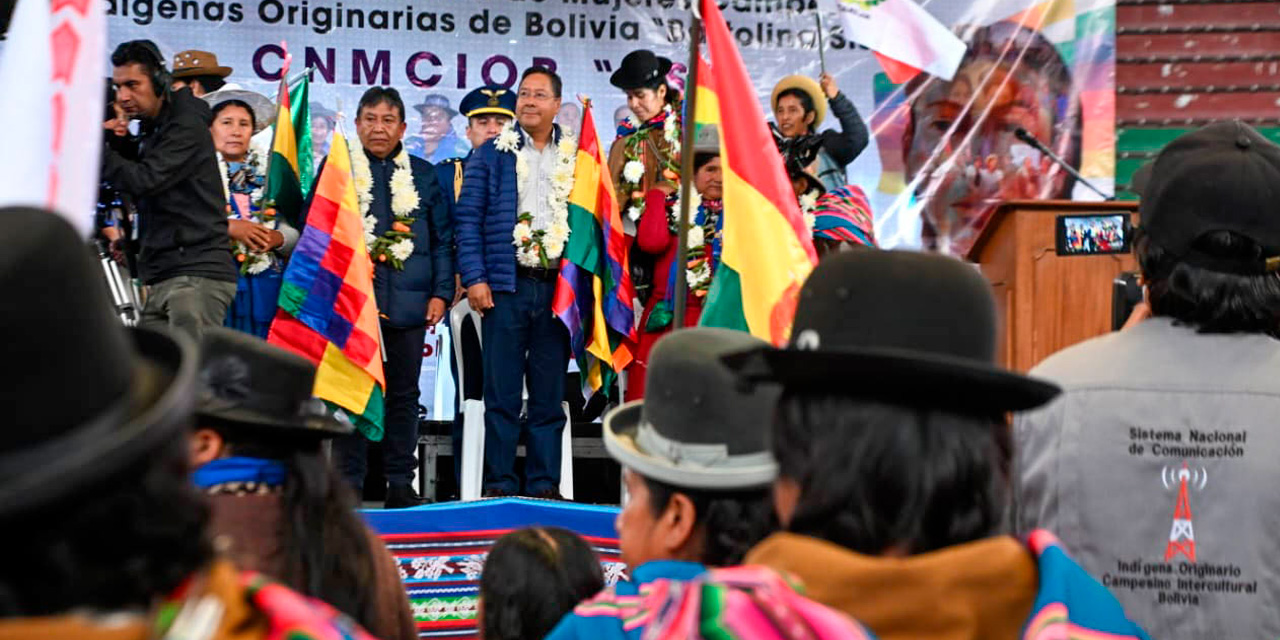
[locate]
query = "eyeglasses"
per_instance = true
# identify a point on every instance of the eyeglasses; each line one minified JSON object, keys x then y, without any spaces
{"x":540,"y":96}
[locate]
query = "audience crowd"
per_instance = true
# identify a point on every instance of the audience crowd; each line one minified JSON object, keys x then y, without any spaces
{"x":879,"y":476}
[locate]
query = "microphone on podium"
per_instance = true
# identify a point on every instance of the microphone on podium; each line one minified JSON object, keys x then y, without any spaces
{"x":1029,"y":138}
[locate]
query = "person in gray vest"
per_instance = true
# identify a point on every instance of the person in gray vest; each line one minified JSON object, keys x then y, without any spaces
{"x":1156,"y":466}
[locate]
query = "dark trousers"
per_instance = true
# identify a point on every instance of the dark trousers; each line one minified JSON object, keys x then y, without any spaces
{"x":523,"y":342}
{"x":189,"y":304}
{"x":400,"y":422}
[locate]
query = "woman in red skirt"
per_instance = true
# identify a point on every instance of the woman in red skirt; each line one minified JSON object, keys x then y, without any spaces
{"x":657,"y":235}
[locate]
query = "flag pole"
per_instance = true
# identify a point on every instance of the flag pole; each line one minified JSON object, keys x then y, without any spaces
{"x":275,"y":130}
{"x":687,"y":143}
{"x":822,"y":54}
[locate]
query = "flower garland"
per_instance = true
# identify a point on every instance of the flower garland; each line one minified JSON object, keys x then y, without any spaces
{"x":633,"y":169}
{"x":673,"y":207}
{"x":395,"y":246}
{"x":249,"y":179}
{"x":540,"y":238}
{"x":700,"y":245}
{"x":701,"y":259}
{"x":808,"y":202}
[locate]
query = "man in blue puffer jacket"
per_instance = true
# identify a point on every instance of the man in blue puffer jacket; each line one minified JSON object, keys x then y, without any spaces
{"x":511,"y":232}
{"x":410,"y":236}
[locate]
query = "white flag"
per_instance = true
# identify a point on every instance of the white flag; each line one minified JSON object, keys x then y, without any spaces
{"x":79,"y":43}
{"x":53,"y":69}
{"x":904,"y":36}
{"x":26,"y":67}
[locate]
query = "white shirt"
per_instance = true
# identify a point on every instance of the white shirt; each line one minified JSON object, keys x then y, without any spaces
{"x":532,"y":193}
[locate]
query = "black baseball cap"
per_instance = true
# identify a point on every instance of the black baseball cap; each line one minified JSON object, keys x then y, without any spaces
{"x":1223,"y":177}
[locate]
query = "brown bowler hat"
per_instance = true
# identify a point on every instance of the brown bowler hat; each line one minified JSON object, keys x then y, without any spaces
{"x":197,"y":63}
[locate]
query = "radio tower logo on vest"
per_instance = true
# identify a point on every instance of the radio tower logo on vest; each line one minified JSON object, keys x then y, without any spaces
{"x":1182,"y":537}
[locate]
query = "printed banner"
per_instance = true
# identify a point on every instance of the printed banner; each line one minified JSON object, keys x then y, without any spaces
{"x":940,"y":153}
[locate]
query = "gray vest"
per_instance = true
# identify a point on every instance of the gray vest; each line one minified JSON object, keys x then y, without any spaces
{"x":1158,"y":470}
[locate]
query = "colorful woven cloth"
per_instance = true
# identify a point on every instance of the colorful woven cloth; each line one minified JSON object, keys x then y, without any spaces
{"x":738,"y":603}
{"x":844,"y":215}
{"x":292,"y":616}
{"x":745,"y":603}
{"x":1070,"y":603}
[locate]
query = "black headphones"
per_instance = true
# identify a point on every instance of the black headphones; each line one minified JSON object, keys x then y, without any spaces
{"x":160,"y":76}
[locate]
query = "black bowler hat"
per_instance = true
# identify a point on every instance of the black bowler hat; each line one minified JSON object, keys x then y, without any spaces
{"x":697,"y":426}
{"x":90,"y":398}
{"x":245,"y":381}
{"x":489,"y":99}
{"x":1223,"y":177}
{"x":640,"y":69}
{"x":901,"y":327}
{"x":438,"y":101}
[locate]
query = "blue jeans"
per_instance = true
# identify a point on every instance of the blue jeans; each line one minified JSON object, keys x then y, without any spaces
{"x":400,"y":421}
{"x":523,"y":341}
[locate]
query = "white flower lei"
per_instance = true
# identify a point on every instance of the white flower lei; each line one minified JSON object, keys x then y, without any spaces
{"x":670,"y":131}
{"x":809,"y":201}
{"x":633,"y":170}
{"x":540,"y":238}
{"x":699,"y":271}
{"x":394,"y":245}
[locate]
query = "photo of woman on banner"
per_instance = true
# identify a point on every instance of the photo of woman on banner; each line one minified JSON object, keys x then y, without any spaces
{"x":959,"y":146}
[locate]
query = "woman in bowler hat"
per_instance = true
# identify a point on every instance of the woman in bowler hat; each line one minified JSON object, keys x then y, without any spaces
{"x":892,"y":445}
{"x":645,"y":153}
{"x":278,"y":505}
{"x":104,"y":534}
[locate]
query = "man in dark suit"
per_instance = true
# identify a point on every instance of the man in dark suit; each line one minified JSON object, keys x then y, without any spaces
{"x":410,"y":237}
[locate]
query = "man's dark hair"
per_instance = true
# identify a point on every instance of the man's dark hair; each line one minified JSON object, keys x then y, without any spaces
{"x":806,"y":103}
{"x":324,"y":543}
{"x":733,"y":521}
{"x":1238,"y":296}
{"x":381,"y":95}
{"x":556,"y":85}
{"x":132,"y":538}
{"x":144,"y":53}
{"x":532,"y":578}
{"x":109,"y":104}
{"x":253,"y":118}
{"x":875,"y":477}
{"x":210,"y":83}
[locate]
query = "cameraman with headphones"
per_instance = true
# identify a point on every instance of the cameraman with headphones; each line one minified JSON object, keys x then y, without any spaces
{"x":171,"y":170}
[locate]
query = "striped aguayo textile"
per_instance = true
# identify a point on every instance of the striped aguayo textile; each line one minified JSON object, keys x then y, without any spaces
{"x":441,"y":549}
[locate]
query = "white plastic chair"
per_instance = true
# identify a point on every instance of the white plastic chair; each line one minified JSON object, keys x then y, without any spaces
{"x":472,"y":476}
{"x":473,"y":418}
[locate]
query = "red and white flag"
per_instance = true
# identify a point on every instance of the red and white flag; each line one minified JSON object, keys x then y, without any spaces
{"x":53,"y":68}
{"x":904,"y":36}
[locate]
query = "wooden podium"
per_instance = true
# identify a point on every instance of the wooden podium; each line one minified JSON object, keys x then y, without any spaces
{"x":1046,"y":302}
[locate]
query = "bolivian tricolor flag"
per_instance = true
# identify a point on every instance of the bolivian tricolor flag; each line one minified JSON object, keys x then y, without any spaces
{"x":768,"y":251}
{"x":328,"y":313}
{"x":283,"y":189}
